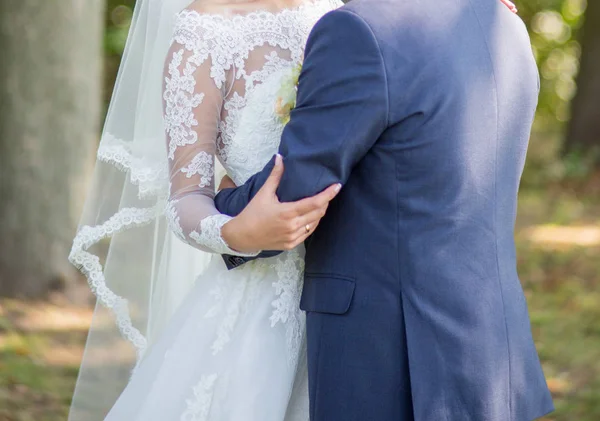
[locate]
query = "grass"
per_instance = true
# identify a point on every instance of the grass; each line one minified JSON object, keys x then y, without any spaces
{"x":40,"y":350}
{"x":558,"y":236}
{"x":559,"y":264}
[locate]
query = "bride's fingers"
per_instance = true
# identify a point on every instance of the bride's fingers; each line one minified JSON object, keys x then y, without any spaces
{"x":304,"y":225}
{"x":303,"y":233}
{"x":309,"y":204}
{"x":312,"y":216}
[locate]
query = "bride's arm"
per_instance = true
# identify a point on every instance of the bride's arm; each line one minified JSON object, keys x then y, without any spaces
{"x":342,"y":109}
{"x":192,"y":111}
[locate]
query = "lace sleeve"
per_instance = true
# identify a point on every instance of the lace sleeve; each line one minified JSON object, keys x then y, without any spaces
{"x":193,"y":99}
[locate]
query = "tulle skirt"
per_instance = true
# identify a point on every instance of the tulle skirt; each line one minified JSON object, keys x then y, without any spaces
{"x":234,"y":350}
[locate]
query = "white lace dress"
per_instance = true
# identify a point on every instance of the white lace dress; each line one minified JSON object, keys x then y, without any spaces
{"x":234,"y":351}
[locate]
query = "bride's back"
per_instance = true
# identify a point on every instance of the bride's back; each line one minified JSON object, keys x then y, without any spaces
{"x":233,"y":49}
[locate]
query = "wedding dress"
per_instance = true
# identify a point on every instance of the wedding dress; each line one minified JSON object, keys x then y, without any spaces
{"x":234,"y":350}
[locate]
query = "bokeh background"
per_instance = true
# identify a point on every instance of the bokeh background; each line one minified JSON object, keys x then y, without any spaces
{"x":58,"y":62}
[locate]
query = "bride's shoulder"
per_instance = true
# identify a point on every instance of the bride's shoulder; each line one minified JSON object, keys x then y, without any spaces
{"x":200,"y":10}
{"x":213,"y":18}
{"x":201,"y":21}
{"x":221,"y":9}
{"x":221,"y":21}
{"x":228,"y":9}
{"x":208,"y":8}
{"x":205,"y":12}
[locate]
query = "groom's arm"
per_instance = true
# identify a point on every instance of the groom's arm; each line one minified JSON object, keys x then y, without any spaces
{"x":342,"y":109}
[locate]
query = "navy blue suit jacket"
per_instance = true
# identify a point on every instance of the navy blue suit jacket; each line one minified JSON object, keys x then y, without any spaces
{"x":422,"y":110}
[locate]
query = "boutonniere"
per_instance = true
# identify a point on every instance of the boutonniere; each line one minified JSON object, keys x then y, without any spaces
{"x":286,"y":98}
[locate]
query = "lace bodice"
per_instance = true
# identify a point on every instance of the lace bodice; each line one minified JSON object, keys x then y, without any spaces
{"x":222,"y":79}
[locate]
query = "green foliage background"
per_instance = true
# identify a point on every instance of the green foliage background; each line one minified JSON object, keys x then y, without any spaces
{"x":553,"y":25}
{"x":557,"y":233}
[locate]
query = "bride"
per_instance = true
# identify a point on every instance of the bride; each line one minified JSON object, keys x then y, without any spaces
{"x":211,"y":344}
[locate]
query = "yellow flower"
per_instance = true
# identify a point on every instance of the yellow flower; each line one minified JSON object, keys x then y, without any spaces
{"x":286,"y":100}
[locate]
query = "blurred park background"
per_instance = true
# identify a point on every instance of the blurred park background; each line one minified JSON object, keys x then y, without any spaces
{"x":58,"y":65}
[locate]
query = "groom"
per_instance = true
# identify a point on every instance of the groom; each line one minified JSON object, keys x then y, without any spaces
{"x":422,"y":111}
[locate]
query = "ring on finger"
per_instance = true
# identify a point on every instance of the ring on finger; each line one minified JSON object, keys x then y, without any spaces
{"x":307,"y":228}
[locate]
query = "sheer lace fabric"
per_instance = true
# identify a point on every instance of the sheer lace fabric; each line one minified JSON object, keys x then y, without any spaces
{"x":235,"y":347}
{"x":193,"y":100}
{"x":216,"y":64}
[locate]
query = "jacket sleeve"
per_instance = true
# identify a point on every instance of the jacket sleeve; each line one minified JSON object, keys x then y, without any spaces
{"x":341,"y":111}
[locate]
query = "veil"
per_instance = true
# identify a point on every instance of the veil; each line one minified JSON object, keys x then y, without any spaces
{"x":136,"y":267}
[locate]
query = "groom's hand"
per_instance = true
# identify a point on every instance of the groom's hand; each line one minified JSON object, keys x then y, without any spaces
{"x":510,"y":5}
{"x":268,"y":224}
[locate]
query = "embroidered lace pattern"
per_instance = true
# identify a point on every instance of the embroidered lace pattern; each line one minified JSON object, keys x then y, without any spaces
{"x":290,"y":270}
{"x":198,"y":407}
{"x":219,"y":95}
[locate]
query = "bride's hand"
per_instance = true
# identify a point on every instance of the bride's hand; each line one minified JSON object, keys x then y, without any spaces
{"x":227,"y":183}
{"x":268,"y":224}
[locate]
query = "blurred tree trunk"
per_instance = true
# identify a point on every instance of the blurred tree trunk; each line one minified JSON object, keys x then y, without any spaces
{"x":50,"y":101}
{"x":583,"y":135}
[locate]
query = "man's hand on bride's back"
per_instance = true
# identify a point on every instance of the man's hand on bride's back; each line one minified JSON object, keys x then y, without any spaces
{"x":268,"y":224}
